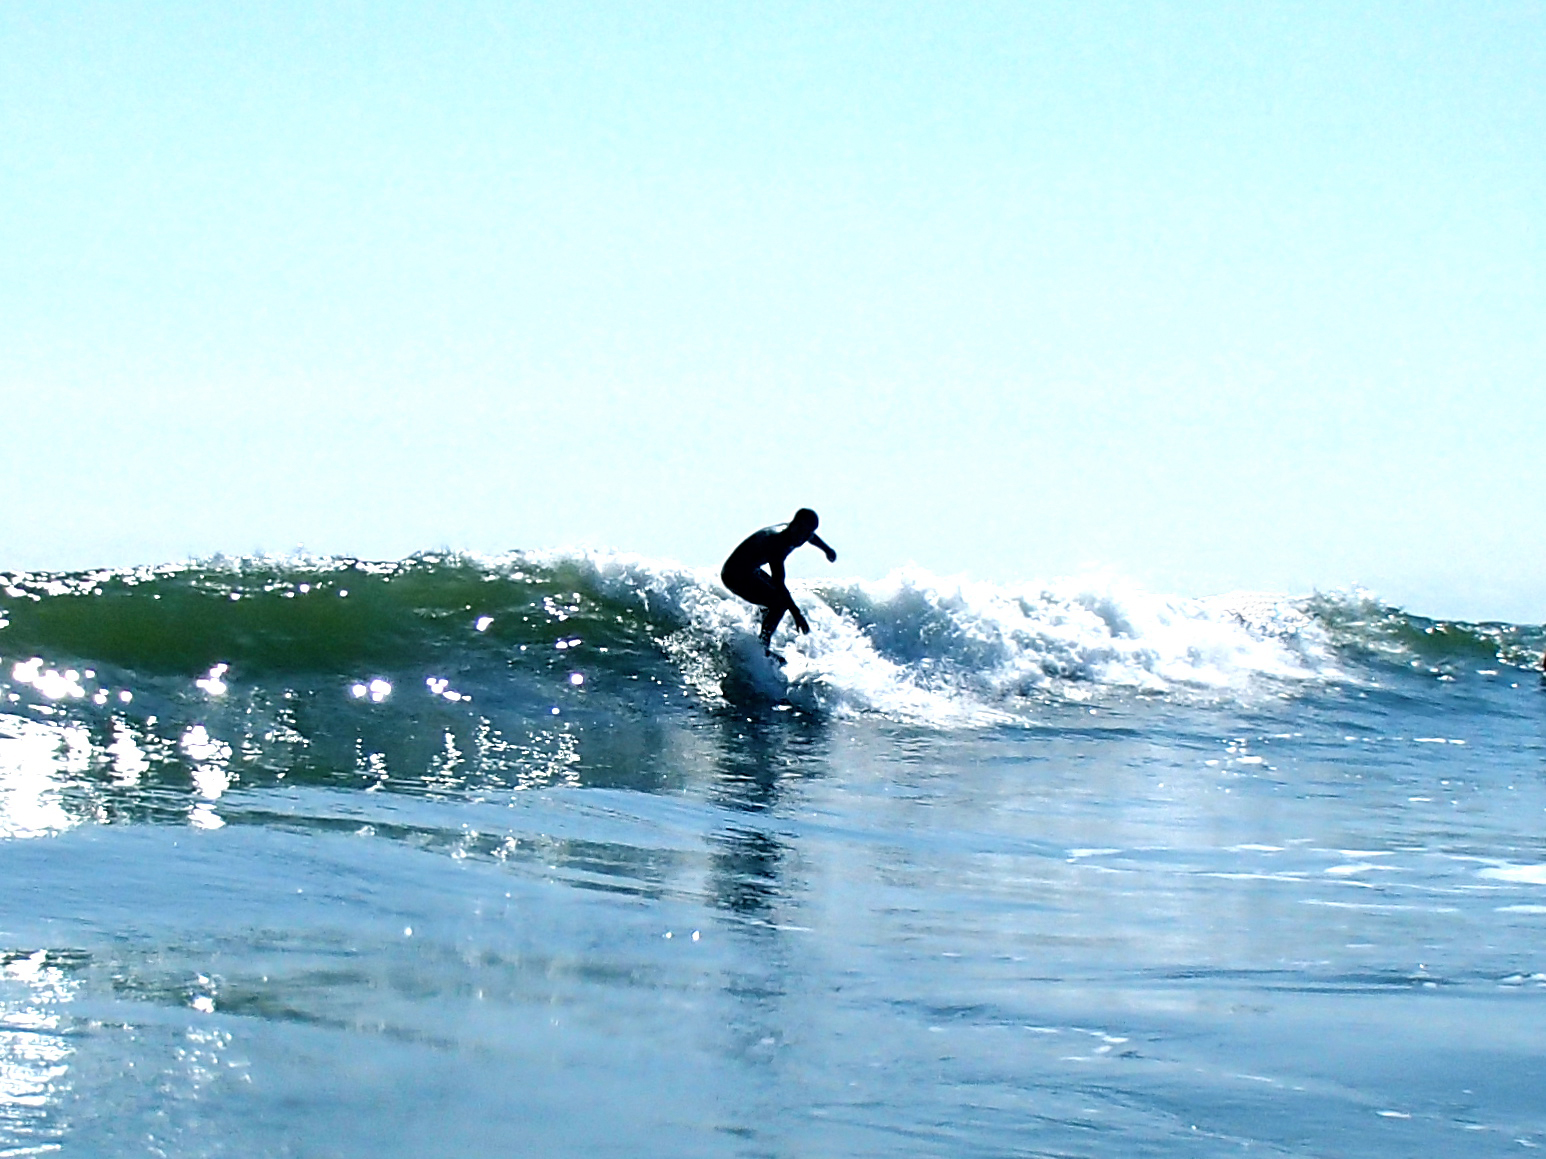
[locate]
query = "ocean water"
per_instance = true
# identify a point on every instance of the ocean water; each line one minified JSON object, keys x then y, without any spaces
{"x":536,"y":855}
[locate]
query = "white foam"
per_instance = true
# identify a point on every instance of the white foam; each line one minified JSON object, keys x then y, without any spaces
{"x":836,"y":667}
{"x":950,"y":650}
{"x":1525,"y":874}
{"x":1067,"y":638}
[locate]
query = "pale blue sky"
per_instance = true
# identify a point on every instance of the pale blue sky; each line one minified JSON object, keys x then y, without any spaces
{"x":1215,"y":295}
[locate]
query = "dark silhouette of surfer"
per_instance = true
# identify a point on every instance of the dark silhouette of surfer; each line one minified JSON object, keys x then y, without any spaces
{"x":744,"y":576}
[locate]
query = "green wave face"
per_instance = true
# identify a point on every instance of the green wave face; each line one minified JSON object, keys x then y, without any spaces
{"x":433,"y":672}
{"x":1367,"y":631}
{"x":330,"y":617}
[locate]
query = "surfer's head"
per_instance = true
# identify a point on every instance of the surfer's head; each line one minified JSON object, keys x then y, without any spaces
{"x":804,"y":524}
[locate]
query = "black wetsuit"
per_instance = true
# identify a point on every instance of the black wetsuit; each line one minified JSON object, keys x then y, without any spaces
{"x":744,"y":576}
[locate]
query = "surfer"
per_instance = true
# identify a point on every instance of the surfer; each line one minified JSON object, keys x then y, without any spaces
{"x":744,"y":576}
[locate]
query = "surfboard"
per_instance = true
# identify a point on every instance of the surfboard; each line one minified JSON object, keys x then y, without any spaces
{"x":752,"y":674}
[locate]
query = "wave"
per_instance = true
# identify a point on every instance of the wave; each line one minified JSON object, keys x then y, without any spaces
{"x":529,"y":628}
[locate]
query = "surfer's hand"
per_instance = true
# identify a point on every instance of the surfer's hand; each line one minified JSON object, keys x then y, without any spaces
{"x":799,"y":622}
{"x":831,"y":556}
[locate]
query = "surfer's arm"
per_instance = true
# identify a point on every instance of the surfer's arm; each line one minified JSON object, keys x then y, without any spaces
{"x":819,"y":542}
{"x":777,"y":568}
{"x":799,"y":620}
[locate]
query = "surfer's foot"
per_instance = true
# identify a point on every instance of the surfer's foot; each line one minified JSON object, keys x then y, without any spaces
{"x":774,"y":656}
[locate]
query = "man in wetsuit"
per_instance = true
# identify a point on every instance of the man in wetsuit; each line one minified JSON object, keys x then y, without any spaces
{"x":744,"y":576}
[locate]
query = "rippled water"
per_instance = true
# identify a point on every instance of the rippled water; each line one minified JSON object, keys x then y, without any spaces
{"x":1303,"y":919}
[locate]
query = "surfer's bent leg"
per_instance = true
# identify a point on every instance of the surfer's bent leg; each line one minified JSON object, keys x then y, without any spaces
{"x":756,"y":586}
{"x":770,"y":619}
{"x":753,"y":585}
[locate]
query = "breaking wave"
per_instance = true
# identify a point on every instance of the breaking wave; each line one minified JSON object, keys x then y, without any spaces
{"x":575,"y":631}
